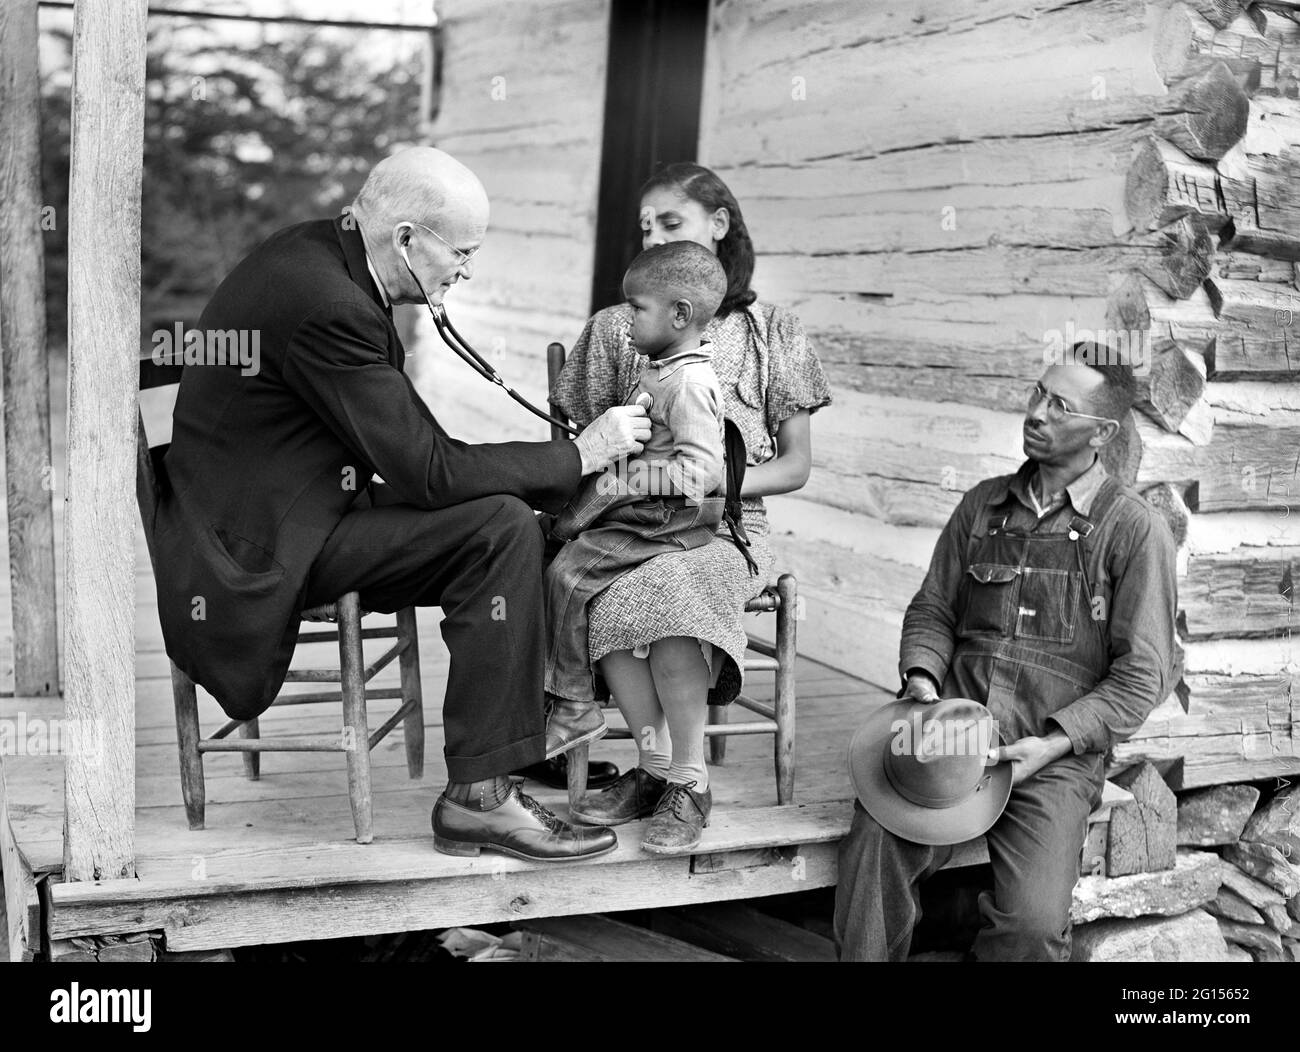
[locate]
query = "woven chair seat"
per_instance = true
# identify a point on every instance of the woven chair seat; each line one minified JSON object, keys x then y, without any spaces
{"x":324,"y":612}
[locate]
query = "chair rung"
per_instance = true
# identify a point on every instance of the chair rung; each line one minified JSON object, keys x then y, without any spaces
{"x":332,"y":635}
{"x":753,"y":705}
{"x":285,"y":743}
{"x":313,"y":675}
{"x":761,"y":664}
{"x":763,"y":727}
{"x":391,"y":722}
{"x":317,"y":696}
{"x":334,"y":675}
{"x":763,"y":603}
{"x":386,"y":658}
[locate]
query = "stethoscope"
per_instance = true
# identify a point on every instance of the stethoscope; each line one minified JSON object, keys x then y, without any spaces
{"x":471,"y":357}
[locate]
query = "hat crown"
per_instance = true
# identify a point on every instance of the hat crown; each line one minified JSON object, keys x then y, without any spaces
{"x":937,"y":754}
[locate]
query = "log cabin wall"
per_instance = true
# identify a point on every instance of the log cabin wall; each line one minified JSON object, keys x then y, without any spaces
{"x":943,"y":191}
{"x":522,"y":103}
{"x":984,"y":181}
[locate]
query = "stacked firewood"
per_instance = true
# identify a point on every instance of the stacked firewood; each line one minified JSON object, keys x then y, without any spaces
{"x":1207,"y":875}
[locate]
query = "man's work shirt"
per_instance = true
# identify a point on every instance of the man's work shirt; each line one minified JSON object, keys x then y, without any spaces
{"x":1060,"y":616}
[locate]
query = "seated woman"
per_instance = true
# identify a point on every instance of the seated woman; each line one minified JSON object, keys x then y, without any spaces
{"x":667,"y":637}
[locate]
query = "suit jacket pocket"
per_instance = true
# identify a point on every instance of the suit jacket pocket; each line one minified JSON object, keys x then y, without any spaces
{"x":239,"y":565}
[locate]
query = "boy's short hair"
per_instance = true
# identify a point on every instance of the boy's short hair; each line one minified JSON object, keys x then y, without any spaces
{"x":682,"y":270}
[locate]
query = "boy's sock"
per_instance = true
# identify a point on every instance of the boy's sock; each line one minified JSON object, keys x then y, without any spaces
{"x":656,"y":761}
{"x":693,"y":770}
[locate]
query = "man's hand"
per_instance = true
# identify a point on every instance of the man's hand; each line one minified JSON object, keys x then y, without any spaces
{"x":1030,"y":755}
{"x":617,"y":432}
{"x":920,"y":687}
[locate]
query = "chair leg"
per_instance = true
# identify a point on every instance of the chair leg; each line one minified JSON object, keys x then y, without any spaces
{"x":355,"y":731}
{"x":718,"y":742}
{"x":786,"y":619}
{"x":412,"y":692}
{"x":187,"y":739}
{"x":252,"y":760}
{"x":577,"y":758}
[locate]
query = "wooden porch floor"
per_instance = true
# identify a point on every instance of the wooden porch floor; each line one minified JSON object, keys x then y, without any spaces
{"x":277,"y":861}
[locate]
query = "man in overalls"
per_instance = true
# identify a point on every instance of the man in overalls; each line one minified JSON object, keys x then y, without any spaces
{"x":1050,"y":598}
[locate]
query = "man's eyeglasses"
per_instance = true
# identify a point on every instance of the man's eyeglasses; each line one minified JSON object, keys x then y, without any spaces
{"x":462,"y":257}
{"x":1057,"y":410}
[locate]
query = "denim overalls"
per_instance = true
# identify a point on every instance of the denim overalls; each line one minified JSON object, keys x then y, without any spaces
{"x":1028,"y":643}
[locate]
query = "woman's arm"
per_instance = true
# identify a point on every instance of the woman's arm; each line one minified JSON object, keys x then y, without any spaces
{"x":596,"y":370}
{"x":789,"y":469}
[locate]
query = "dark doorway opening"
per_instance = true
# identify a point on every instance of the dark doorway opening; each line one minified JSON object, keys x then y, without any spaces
{"x":652,"y":117}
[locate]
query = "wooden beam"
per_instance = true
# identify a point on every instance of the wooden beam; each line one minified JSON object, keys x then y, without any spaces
{"x":1205,"y":113}
{"x":1179,"y":256}
{"x":1259,"y":327}
{"x":1171,"y":385}
{"x":1244,"y":329}
{"x":1218,"y":13}
{"x":1237,"y":728}
{"x":29,"y":470}
{"x":1263,"y":204}
{"x":22,"y":907}
{"x":108,"y":55}
{"x":196,"y":915}
{"x":1244,"y":592}
{"x":1164,"y":184}
{"x":1244,"y":464}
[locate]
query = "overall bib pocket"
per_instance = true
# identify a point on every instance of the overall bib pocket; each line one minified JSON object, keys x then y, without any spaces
{"x":1049,"y":600}
{"x":989,"y":590}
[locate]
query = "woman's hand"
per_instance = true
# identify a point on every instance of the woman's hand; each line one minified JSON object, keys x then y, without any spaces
{"x":789,"y":469}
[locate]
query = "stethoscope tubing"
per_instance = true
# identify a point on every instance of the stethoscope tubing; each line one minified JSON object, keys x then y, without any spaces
{"x":476,"y":361}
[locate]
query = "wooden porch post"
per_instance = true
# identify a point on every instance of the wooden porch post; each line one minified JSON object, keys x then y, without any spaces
{"x":108,"y":52}
{"x":29,"y":470}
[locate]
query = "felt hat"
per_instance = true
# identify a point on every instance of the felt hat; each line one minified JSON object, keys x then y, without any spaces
{"x":921,"y":770}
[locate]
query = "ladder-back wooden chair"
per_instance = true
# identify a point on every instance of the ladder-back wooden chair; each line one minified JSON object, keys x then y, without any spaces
{"x":352,"y":674}
{"x":777,"y":717}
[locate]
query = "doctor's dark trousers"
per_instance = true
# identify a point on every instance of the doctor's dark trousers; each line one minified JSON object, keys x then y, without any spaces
{"x":481,"y":562}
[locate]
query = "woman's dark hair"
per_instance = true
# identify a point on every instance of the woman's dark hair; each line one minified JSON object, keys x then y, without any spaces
{"x":735,"y":251}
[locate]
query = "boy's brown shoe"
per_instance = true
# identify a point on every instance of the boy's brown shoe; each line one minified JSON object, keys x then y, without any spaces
{"x":571,"y":723}
{"x":679,"y":820}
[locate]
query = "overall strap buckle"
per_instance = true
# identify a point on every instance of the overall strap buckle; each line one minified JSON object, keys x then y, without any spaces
{"x":1080,"y":527}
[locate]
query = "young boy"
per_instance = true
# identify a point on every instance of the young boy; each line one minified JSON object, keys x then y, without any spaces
{"x":669,"y":497}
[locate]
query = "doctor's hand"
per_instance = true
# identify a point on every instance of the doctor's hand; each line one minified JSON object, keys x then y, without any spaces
{"x":1030,"y":755}
{"x":618,"y":432}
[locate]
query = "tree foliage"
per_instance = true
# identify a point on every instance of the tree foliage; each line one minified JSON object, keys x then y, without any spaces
{"x":241,"y":138}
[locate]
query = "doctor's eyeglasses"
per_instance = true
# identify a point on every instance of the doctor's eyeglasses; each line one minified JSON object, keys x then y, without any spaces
{"x":462,"y":257}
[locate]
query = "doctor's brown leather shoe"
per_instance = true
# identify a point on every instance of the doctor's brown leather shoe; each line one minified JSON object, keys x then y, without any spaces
{"x":520,"y":826}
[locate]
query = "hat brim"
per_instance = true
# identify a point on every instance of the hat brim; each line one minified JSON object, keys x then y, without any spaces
{"x":936,"y":827}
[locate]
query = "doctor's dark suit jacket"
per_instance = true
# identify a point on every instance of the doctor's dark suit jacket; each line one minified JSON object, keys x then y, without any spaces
{"x":262,"y":467}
